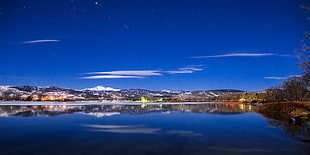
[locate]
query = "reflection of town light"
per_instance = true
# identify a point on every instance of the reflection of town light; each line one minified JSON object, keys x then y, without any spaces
{"x":64,"y":106}
{"x":143,"y":99}
{"x":51,"y":106}
{"x":143,"y":105}
{"x":250,"y":107}
{"x":241,"y":106}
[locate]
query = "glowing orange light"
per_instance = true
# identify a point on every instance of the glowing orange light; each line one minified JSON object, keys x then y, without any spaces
{"x":242,"y":100}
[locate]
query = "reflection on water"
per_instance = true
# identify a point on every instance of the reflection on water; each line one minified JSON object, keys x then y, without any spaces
{"x":302,"y":130}
{"x":292,"y":118}
{"x":141,"y":129}
{"x":134,"y":129}
{"x":299,"y":129}
{"x":123,"y":129}
{"x":109,"y":110}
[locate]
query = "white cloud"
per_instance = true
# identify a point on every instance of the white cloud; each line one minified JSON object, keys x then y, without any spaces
{"x":138,"y":74}
{"x":191,"y":68}
{"x":279,"y":77}
{"x":241,"y":55}
{"x":40,"y":41}
{"x":185,"y":70}
{"x":142,"y":73}
{"x":180,"y":71}
{"x":275,"y":78}
{"x":295,"y":75}
{"x":112,"y":77}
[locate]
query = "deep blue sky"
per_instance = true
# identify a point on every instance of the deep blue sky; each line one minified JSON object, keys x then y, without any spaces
{"x":173,"y":44}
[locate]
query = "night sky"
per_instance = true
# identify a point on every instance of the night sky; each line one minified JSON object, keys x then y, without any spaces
{"x":150,"y":44}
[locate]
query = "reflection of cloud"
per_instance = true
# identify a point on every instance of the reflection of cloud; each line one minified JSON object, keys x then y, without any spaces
{"x":101,"y":114}
{"x":111,"y":126}
{"x":238,"y":149}
{"x":112,"y":77}
{"x":123,"y":129}
{"x":184,"y":133}
{"x":40,"y":41}
{"x":137,"y":129}
{"x":241,"y":55}
{"x":179,"y":132}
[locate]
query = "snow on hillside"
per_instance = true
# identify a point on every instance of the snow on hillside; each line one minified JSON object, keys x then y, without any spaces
{"x":8,"y":89}
{"x":172,"y":91}
{"x":4,"y":88}
{"x":100,"y":88}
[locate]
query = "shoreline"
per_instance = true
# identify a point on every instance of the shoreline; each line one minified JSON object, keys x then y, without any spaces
{"x":34,"y":103}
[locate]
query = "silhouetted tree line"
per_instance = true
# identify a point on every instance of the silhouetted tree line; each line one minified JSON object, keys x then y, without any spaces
{"x":292,"y":89}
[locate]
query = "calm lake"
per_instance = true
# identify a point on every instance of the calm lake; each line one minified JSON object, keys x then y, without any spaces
{"x":178,"y":129}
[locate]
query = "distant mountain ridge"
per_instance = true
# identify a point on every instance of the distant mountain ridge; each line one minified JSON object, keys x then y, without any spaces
{"x":101,"y":92}
{"x":101,"y":88}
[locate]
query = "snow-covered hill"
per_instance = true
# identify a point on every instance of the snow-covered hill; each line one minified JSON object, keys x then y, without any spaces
{"x":100,"y":88}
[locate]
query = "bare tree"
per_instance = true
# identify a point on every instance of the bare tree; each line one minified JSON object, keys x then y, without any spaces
{"x":295,"y":88}
{"x":274,"y":94}
{"x":303,"y":55}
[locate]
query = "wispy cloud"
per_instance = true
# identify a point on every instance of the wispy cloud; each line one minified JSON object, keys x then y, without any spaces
{"x":191,"y":68}
{"x":40,"y":41}
{"x":142,"y":73}
{"x":241,"y":55}
{"x":185,"y":70}
{"x":138,"y":74}
{"x":180,"y":71}
{"x":275,"y":78}
{"x":112,"y":77}
{"x":279,"y":77}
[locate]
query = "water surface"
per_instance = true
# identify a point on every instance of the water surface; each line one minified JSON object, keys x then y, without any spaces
{"x":141,"y":129}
